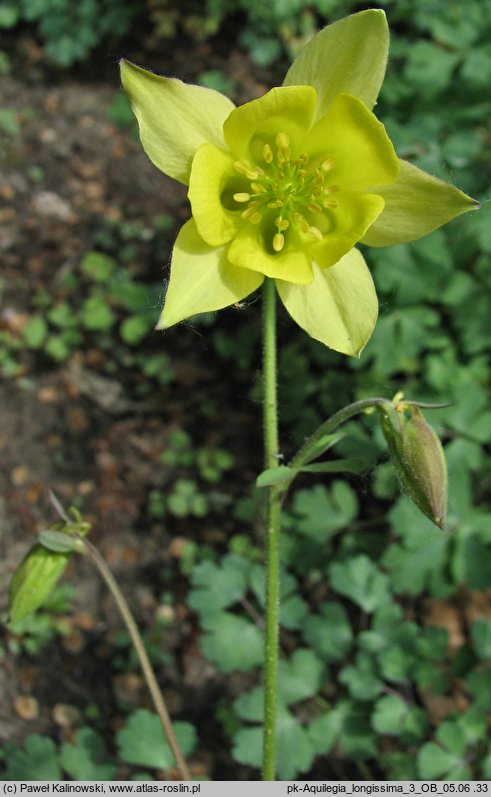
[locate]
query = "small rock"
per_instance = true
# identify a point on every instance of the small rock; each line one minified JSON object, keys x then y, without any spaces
{"x":20,"y":475}
{"x":26,"y":707}
{"x":51,"y":205}
{"x":65,"y":716}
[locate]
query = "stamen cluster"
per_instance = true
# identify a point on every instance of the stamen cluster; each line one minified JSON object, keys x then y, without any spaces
{"x":285,"y":184}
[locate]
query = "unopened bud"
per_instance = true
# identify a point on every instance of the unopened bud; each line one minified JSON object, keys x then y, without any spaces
{"x":418,"y":458}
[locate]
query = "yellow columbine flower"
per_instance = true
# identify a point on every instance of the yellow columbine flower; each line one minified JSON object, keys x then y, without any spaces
{"x":286,"y":185}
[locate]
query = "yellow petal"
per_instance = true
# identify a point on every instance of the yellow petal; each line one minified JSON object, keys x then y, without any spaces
{"x":359,"y":152}
{"x":202,"y":279}
{"x":287,"y":110}
{"x":247,"y":250}
{"x":213,"y":173}
{"x":339,"y":307}
{"x":353,"y":216}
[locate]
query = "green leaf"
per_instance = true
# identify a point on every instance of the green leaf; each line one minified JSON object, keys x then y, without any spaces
{"x":294,"y":748}
{"x":34,"y":579}
{"x":394,"y":717}
{"x":322,"y":512}
{"x":35,"y":331}
{"x":82,"y":760}
{"x":248,"y":746}
{"x":232,"y":642}
{"x":360,"y":580}
{"x":58,"y":541}
{"x":300,"y":677}
{"x":96,"y":314}
{"x":362,"y":678}
{"x":481,"y":637}
{"x":358,"y":741}
{"x":323,"y":444}
{"x":434,"y":762}
{"x":429,"y":67}
{"x":389,"y":715}
{"x":38,"y":760}
{"x":143,"y":741}
{"x":351,"y":465}
{"x":218,"y":586}
{"x":283,"y":474}
{"x":293,"y":610}
{"x":471,"y":562}
{"x":137,"y":327}
{"x":98,"y":266}
{"x":9,"y":15}
{"x":325,"y":730}
{"x":329,"y":632}
{"x":277,"y":475}
{"x":421,"y":561}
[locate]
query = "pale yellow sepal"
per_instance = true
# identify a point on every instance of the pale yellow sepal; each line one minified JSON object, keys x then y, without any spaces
{"x":415,"y":204}
{"x":174,"y":118}
{"x":202,"y":279}
{"x":347,"y":57}
{"x":339,"y":307}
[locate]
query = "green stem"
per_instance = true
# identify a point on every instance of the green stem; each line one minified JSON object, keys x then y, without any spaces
{"x":332,"y":423}
{"x":147,"y":669}
{"x":273,"y":515}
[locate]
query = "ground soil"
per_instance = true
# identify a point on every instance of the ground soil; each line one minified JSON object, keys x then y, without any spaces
{"x":72,"y":429}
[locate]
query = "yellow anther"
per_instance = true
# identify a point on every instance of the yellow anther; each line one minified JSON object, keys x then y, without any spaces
{"x":276,"y":204}
{"x":314,"y":207}
{"x":282,"y":141}
{"x":256,"y":217}
{"x":278,"y":242}
{"x":281,"y":223}
{"x":301,"y":222}
{"x":315,"y":233}
{"x":249,"y":212}
{"x":330,"y":203}
{"x":327,"y":165}
{"x":332,"y":189}
{"x":242,"y":197}
{"x":242,"y":168}
{"x":303,"y":158}
{"x":267,"y":153}
{"x":258,"y":188}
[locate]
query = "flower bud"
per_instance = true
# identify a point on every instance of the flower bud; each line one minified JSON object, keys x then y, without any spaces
{"x":418,"y":458}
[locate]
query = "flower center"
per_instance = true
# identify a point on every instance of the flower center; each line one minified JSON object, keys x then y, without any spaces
{"x":285,"y":190}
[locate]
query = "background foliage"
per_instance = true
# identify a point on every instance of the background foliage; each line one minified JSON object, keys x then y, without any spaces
{"x":386,"y":622}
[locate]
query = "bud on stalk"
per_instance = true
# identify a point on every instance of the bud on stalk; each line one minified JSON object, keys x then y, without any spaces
{"x":418,"y":458}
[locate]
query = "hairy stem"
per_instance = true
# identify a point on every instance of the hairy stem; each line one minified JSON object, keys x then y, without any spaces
{"x":273,"y":514}
{"x":332,"y":423}
{"x":137,"y":641}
